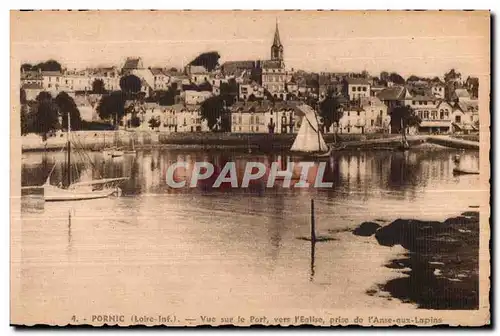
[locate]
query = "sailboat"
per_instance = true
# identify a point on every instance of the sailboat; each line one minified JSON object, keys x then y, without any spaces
{"x":309,"y":141}
{"x":84,"y":190}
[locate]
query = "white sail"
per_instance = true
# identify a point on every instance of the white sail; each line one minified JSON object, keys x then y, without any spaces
{"x":309,"y":139}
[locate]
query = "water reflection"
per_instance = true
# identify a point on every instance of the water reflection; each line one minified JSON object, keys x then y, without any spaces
{"x":196,"y":245}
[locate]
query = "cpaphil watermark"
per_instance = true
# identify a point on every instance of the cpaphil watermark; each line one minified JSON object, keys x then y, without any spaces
{"x":303,"y":174}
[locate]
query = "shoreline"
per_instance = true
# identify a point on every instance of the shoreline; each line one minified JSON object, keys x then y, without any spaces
{"x":261,"y":142}
{"x":440,"y":269}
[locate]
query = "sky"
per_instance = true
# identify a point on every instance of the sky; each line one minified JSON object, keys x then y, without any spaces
{"x":421,"y":43}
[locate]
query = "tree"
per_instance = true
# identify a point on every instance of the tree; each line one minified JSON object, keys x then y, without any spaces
{"x":216,"y":113}
{"x":396,"y":78}
{"x":130,"y":84}
{"x":210,"y":60}
{"x":329,"y":110}
{"x":403,"y":116}
{"x":66,"y":106}
{"x":384,"y":76}
{"x":26,"y":67}
{"x":112,"y":106}
{"x":452,"y":76}
{"x":154,"y":123}
{"x":413,"y":78}
{"x":472,"y":84}
{"x":22,"y":96}
{"x":46,"y":115}
{"x":98,"y":86}
{"x":229,"y":91}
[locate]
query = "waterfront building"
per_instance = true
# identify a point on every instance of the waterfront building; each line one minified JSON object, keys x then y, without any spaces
{"x":32,"y":90}
{"x":356,"y":88}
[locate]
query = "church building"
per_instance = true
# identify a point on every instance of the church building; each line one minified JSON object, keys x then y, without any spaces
{"x":274,"y":75}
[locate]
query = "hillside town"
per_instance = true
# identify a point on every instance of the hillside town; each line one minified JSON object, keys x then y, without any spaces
{"x":254,"y":96}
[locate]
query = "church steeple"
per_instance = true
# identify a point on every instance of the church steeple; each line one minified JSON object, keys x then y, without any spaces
{"x":277,"y":47}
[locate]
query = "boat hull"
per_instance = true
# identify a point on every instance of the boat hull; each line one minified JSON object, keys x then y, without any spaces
{"x":55,"y":194}
{"x":459,"y":171}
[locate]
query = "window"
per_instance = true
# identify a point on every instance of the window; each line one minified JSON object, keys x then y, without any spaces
{"x":257,"y":119}
{"x":381,"y":112}
{"x":426,"y":114}
{"x":364,"y":88}
{"x":359,"y":113}
{"x":353,"y":88}
{"x":458,"y":119}
{"x":372,"y":122}
{"x":413,"y":102}
{"x":425,"y":102}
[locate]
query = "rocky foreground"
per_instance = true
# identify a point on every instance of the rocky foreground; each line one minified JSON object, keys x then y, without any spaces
{"x":442,"y":263}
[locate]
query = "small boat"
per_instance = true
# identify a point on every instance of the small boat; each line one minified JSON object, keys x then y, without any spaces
{"x":76,"y":191}
{"x":465,"y":171}
{"x":309,"y":141}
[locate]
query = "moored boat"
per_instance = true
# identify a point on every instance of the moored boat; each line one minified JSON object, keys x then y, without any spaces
{"x":309,"y":141}
{"x":83,"y":190}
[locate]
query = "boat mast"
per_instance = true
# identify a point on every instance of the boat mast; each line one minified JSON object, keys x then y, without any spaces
{"x":317,"y":125}
{"x":69,"y":150}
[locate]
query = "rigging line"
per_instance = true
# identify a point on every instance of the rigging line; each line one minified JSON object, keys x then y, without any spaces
{"x":52,"y":170}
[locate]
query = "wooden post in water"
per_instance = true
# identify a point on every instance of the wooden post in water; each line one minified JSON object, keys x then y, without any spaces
{"x":313,"y":239}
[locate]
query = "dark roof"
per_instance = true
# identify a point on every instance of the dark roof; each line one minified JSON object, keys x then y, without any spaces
{"x":357,"y":81}
{"x":51,"y":73}
{"x":262,"y":106}
{"x":157,"y":71}
{"x":31,"y":75}
{"x":392,"y":93}
{"x":469,"y":106}
{"x":32,"y":86}
{"x":271,"y":64}
{"x":131,"y":63}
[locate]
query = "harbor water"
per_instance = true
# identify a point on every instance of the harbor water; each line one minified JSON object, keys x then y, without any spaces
{"x":194,"y":251}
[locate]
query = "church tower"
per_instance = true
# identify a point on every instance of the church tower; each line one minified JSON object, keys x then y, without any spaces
{"x":277,"y":47}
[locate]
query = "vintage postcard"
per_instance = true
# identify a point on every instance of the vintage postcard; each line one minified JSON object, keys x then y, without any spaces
{"x":188,"y":168}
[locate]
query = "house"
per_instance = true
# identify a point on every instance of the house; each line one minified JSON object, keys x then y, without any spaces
{"x":437,"y":90}
{"x":376,"y":117}
{"x":460,"y":95}
{"x":274,"y":78}
{"x":353,"y":121}
{"x":160,"y":79}
{"x":264,"y":117}
{"x":435,"y":114}
{"x":250,"y":89}
{"x":32,"y":90}
{"x":393,"y":96}
{"x":376,"y":89}
{"x":235,"y":68}
{"x":192,"y":97}
{"x":131,"y":64}
{"x":189,"y":119}
{"x":356,"y":88}
{"x":31,"y":77}
{"x":249,"y":118}
{"x":465,"y":116}
{"x":52,"y":81}
{"x":110,"y":76}
{"x":198,"y":74}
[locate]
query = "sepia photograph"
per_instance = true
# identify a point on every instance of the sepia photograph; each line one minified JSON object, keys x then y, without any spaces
{"x":243,"y":168}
